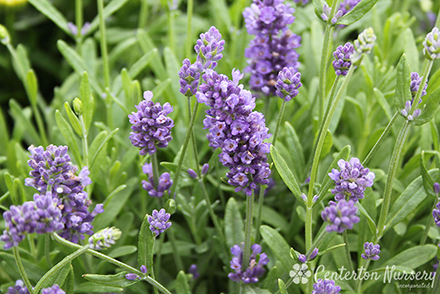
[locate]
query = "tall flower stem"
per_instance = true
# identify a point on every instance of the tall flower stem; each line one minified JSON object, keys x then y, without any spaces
{"x":211,"y":212}
{"x":193,"y":139}
{"x":392,"y":170}
{"x":21,"y":270}
{"x":248,"y":230}
{"x":79,"y":24}
{"x":84,"y":141}
{"x":347,"y":251}
{"x":259,"y":210}
{"x":155,"y":166}
{"x":143,"y":14}
{"x":280,"y":118}
{"x":47,"y":250}
{"x":428,"y":226}
{"x":109,"y":259}
{"x":427,"y":66}
{"x":359,"y":283}
{"x":188,"y":41}
{"x":381,"y":139}
{"x":184,"y":147}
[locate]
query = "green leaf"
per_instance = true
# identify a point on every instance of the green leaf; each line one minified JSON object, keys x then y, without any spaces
{"x":220,"y":13}
{"x":182,"y":286}
{"x":117,"y":280}
{"x":319,"y":5}
{"x":68,"y":135}
{"x":46,"y":8}
{"x":122,"y":251}
{"x":234,"y":228}
{"x":9,"y":181}
{"x":413,"y":195}
{"x":414,"y":257}
{"x":278,"y":245}
{"x":32,"y":87}
{"x":357,"y":12}
{"x":146,"y":245}
{"x":90,"y":287}
{"x":57,"y":277}
{"x":371,"y":222}
{"x":383,"y":102}
{"x":98,"y":145}
{"x":142,"y":63}
{"x":255,"y":290}
{"x":296,"y":148}
{"x":429,"y":110}
{"x":328,"y":143}
{"x":76,"y":62}
{"x":74,"y":121}
{"x":87,"y":100}
{"x":33,"y":271}
{"x":69,"y":284}
{"x":286,"y":174}
{"x":282,"y":287}
{"x":410,"y":49}
{"x":403,"y":92}
{"x":19,"y":117}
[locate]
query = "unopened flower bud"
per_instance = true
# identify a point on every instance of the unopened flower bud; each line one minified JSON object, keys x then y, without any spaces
{"x":302,"y":258}
{"x":363,"y":45}
{"x":144,"y":269}
{"x":132,"y":277}
{"x":104,"y":238}
{"x":314,"y":254}
{"x":205,"y":169}
{"x":77,"y":106}
{"x":170,"y":206}
{"x":192,"y":173}
{"x":4,"y":35}
{"x":436,"y":188}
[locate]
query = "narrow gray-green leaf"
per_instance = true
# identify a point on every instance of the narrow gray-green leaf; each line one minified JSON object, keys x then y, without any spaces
{"x":182,"y":286}
{"x":140,"y":65}
{"x":87,"y":100}
{"x":58,"y":277}
{"x":370,"y":221}
{"x":32,"y":87}
{"x":429,"y":110}
{"x":68,"y":135}
{"x":146,"y":245}
{"x":234,"y":228}
{"x":109,"y":9}
{"x":278,"y":245}
{"x":74,"y":121}
{"x":50,"y":11}
{"x":357,"y":12}
{"x":98,"y":145}
{"x":403,"y":92}
{"x":19,"y":117}
{"x":117,"y":280}
{"x":414,"y":257}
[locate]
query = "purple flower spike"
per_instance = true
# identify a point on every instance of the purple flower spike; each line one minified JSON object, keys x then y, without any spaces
{"x":104,"y":238}
{"x":371,"y":251}
{"x":288,"y":83}
{"x":19,"y":288}
{"x":351,"y":180}
{"x":55,"y":289}
{"x":340,"y":216}
{"x":193,"y":271}
{"x":151,"y":125}
{"x":342,"y":62}
{"x":132,"y":277}
{"x":154,"y":190}
{"x":159,"y":221}
{"x":189,"y":78}
{"x":255,"y":269}
{"x":209,"y":48}
{"x":274,"y":45}
{"x":415,"y":84}
{"x":325,"y":287}
{"x":435,"y":214}
{"x":236,"y":129}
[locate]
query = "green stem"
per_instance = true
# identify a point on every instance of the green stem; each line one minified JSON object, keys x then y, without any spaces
{"x":316,"y":242}
{"x":59,"y":265}
{"x":40,"y":124}
{"x":380,"y":140}
{"x":347,"y":251}
{"x":104,"y":52}
{"x":392,"y":170}
{"x":143,"y":15}
{"x":309,"y":233}
{"x":437,"y":24}
{"x":184,"y":147}
{"x":152,"y":272}
{"x":21,"y":270}
{"x":427,"y":66}
{"x":155,"y":166}
{"x":109,"y":259}
{"x":84,"y":141}
{"x":171,"y":32}
{"x":323,"y":69}
{"x":259,"y":210}
{"x":194,"y":143}
{"x":188,"y":42}
{"x":79,"y":24}
{"x":323,"y":134}
{"x":248,"y":230}
{"x":212,"y":213}
{"x":280,"y":118}
{"x":47,"y":250}
{"x":359,"y":285}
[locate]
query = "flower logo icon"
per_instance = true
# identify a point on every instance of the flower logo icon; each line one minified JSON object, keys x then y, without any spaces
{"x":300,"y":273}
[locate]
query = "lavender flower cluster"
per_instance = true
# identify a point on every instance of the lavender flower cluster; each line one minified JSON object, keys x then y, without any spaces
{"x":340,"y":216}
{"x":62,"y":203}
{"x":351,"y":180}
{"x":431,"y":44}
{"x":208,"y":49}
{"x":20,"y":288}
{"x":342,"y":62}
{"x":151,"y":125}
{"x":345,"y":7}
{"x":325,"y":287}
{"x":236,"y":129}
{"x":159,"y":221}
{"x":371,"y":251}
{"x":255,"y":269}
{"x":156,"y":189}
{"x":274,"y":45}
{"x":288,"y":83}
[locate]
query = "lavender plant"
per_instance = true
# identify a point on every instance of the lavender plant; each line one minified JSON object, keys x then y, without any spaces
{"x":160,"y":168}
